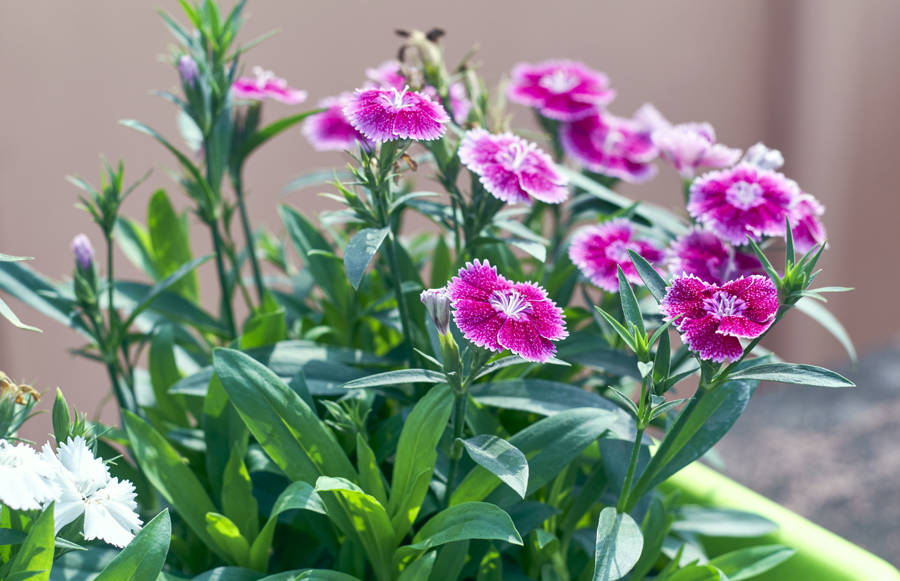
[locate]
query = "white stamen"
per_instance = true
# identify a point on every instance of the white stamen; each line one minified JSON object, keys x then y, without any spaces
{"x":723,"y":304}
{"x":559,"y":81}
{"x":513,"y":157}
{"x":510,"y":302}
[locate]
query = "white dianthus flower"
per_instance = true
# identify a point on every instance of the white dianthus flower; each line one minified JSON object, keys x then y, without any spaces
{"x":25,"y":478}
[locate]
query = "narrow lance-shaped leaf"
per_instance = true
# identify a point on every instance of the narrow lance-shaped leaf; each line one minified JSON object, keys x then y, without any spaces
{"x":652,"y":280}
{"x":630,"y":307}
{"x":794,"y":373}
{"x":360,"y":252}
{"x":145,"y":555}
{"x":164,"y":285}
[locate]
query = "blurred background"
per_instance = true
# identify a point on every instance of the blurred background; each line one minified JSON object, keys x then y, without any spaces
{"x":817,"y":79}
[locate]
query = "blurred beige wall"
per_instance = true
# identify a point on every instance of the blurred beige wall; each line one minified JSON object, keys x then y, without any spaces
{"x":816,"y":78}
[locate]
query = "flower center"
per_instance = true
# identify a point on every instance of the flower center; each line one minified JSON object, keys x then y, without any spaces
{"x":559,"y":81}
{"x":394,"y":99}
{"x":723,"y":304}
{"x":617,"y":250}
{"x":744,"y":196}
{"x":514,"y":156}
{"x":511,"y":303}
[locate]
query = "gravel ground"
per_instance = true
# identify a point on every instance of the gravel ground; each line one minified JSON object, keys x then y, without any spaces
{"x":830,"y":455}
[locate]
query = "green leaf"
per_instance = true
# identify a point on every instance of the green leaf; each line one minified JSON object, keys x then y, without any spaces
{"x":630,"y":307}
{"x":238,"y":501}
{"x":702,"y":423}
{"x":361,"y":250}
{"x":30,"y":287}
{"x":618,"y":327}
{"x":164,"y":374}
{"x":169,"y":473}
{"x":416,"y":455}
{"x":167,"y":305}
{"x":549,"y":444}
{"x":170,"y":244}
{"x":652,"y":280}
{"x":823,"y":316}
{"x":399,"y":377}
{"x":134,"y":241}
{"x":501,"y":458}
{"x":751,"y":561}
{"x":310,"y":245}
{"x":362,"y":518}
{"x":420,"y":569}
{"x":228,"y":538}
{"x":794,"y":373}
{"x":280,"y":420}
{"x":491,"y":566}
{"x":316,"y":575}
{"x":697,"y":573}
{"x":721,"y":522}
{"x":441,"y":264}
{"x":654,"y":530}
{"x":273,"y":129}
{"x":467,"y":521}
{"x":297,"y":496}
{"x":370,"y":477}
{"x":10,"y":316}
{"x":145,"y":555}
{"x":619,"y":544}
{"x":11,"y":258}
{"x":36,"y":552}
{"x":264,"y":329}
{"x":162,"y":286}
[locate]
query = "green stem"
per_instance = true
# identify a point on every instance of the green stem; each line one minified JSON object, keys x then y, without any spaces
{"x":248,"y":235}
{"x":223,"y":280}
{"x":456,"y":449}
{"x":629,"y":476}
{"x":390,"y":248}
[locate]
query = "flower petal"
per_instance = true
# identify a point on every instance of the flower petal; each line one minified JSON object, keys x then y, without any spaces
{"x":477,"y":280}
{"x":701,"y":336}
{"x":523,"y":339}
{"x":479,"y":322}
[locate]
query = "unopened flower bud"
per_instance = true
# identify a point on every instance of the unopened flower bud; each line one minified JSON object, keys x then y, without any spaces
{"x":437,"y":303}
{"x":187,"y":68}
{"x":84,"y":252}
{"x":763,"y":157}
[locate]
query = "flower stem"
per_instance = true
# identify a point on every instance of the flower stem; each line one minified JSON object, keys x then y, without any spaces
{"x":248,"y":235}
{"x":223,"y":279}
{"x":629,"y":475}
{"x":456,"y":448}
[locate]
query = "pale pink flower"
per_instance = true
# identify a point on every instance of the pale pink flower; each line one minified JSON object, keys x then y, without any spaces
{"x":265,"y":85}
{"x":561,"y":90}
{"x":388,"y":114}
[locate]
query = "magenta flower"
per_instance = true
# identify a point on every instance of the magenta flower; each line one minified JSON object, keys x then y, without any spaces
{"x":561,"y":90}
{"x":83,"y":251}
{"x":712,"y":317}
{"x":459,"y":101}
{"x":806,"y":228}
{"x":610,"y":145}
{"x":266,"y":86}
{"x":689,"y":146}
{"x":511,"y":168}
{"x":387,"y":75}
{"x":600,"y":249}
{"x":742,"y":201}
{"x":330,"y":130}
{"x":704,"y":255}
{"x":388,"y":114}
{"x":497,"y":314}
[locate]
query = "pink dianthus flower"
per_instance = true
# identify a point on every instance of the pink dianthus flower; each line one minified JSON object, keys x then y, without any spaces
{"x":459,"y":101}
{"x":806,"y":228}
{"x":266,"y":85}
{"x":610,"y":145}
{"x":711,"y":317}
{"x":497,"y":314}
{"x":330,"y":130}
{"x":705,"y":255}
{"x":561,"y":90}
{"x":599,"y":250}
{"x":389,"y":114}
{"x":511,"y":168}
{"x":742,"y":201}
{"x":689,"y":146}
{"x":387,"y":75}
